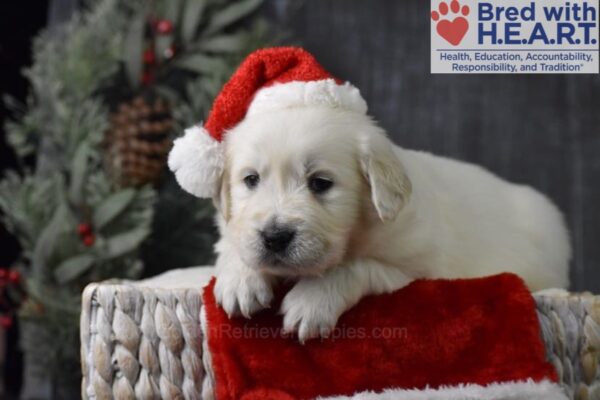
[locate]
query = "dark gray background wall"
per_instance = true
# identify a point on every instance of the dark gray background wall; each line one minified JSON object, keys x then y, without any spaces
{"x":540,"y":130}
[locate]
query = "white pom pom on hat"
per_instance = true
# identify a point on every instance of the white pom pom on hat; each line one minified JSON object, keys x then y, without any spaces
{"x":267,"y":80}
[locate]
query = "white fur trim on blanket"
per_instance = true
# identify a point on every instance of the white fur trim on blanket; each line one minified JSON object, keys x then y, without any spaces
{"x":325,"y":92}
{"x":197,"y":161}
{"x":525,"y":390}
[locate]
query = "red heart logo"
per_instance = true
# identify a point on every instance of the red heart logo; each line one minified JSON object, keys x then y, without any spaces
{"x":453,"y":31}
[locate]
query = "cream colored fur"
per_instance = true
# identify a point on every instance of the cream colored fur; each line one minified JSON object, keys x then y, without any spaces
{"x":392,"y":216}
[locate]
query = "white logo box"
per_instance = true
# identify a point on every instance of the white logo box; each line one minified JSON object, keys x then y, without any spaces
{"x":510,"y":36}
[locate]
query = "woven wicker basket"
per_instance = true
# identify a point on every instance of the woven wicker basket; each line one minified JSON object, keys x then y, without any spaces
{"x":142,"y":339}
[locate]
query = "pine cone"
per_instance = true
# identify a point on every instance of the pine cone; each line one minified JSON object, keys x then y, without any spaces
{"x":138,"y":141}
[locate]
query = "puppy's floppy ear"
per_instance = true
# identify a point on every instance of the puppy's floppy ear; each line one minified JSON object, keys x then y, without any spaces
{"x":390,"y":187}
{"x":222,"y":199}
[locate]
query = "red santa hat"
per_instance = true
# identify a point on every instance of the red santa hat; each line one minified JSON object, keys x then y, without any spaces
{"x":267,"y":80}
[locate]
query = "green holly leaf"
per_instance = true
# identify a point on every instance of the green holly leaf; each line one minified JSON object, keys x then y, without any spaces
{"x":73,"y":267}
{"x":194,"y":10}
{"x":173,"y":10}
{"x":134,"y":49}
{"x":79,"y":170}
{"x":46,"y":243}
{"x":111,"y":207}
{"x":124,"y":243}
{"x":232,"y":43}
{"x":201,"y":63}
{"x":231,"y":14}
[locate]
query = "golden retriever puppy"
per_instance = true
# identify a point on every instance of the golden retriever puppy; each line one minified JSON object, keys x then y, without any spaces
{"x":322,"y":197}
{"x":310,"y":190}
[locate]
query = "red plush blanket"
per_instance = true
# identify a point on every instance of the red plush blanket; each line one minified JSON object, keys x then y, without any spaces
{"x":430,"y":334}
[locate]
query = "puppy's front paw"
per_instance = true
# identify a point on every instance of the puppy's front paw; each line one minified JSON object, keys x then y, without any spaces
{"x":311,"y":310}
{"x":243,"y":293}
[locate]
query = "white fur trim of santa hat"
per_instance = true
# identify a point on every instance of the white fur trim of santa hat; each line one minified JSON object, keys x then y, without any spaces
{"x":197,"y":160}
{"x":325,"y":92}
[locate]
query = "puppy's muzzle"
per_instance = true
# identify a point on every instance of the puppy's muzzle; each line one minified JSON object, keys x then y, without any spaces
{"x":277,"y":238}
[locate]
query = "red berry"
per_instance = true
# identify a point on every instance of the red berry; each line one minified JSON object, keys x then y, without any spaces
{"x":164,"y":26}
{"x":3,"y":273}
{"x":14,"y":276}
{"x":88,"y":240}
{"x":149,"y":57}
{"x":147,"y":78}
{"x":6,"y":321}
{"x":84,"y":229}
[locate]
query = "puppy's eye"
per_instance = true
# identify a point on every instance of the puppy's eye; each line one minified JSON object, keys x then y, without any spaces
{"x":251,"y":181}
{"x":319,"y":185}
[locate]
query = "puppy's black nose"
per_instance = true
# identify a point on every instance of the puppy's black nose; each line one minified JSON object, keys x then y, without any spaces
{"x":277,"y":238}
